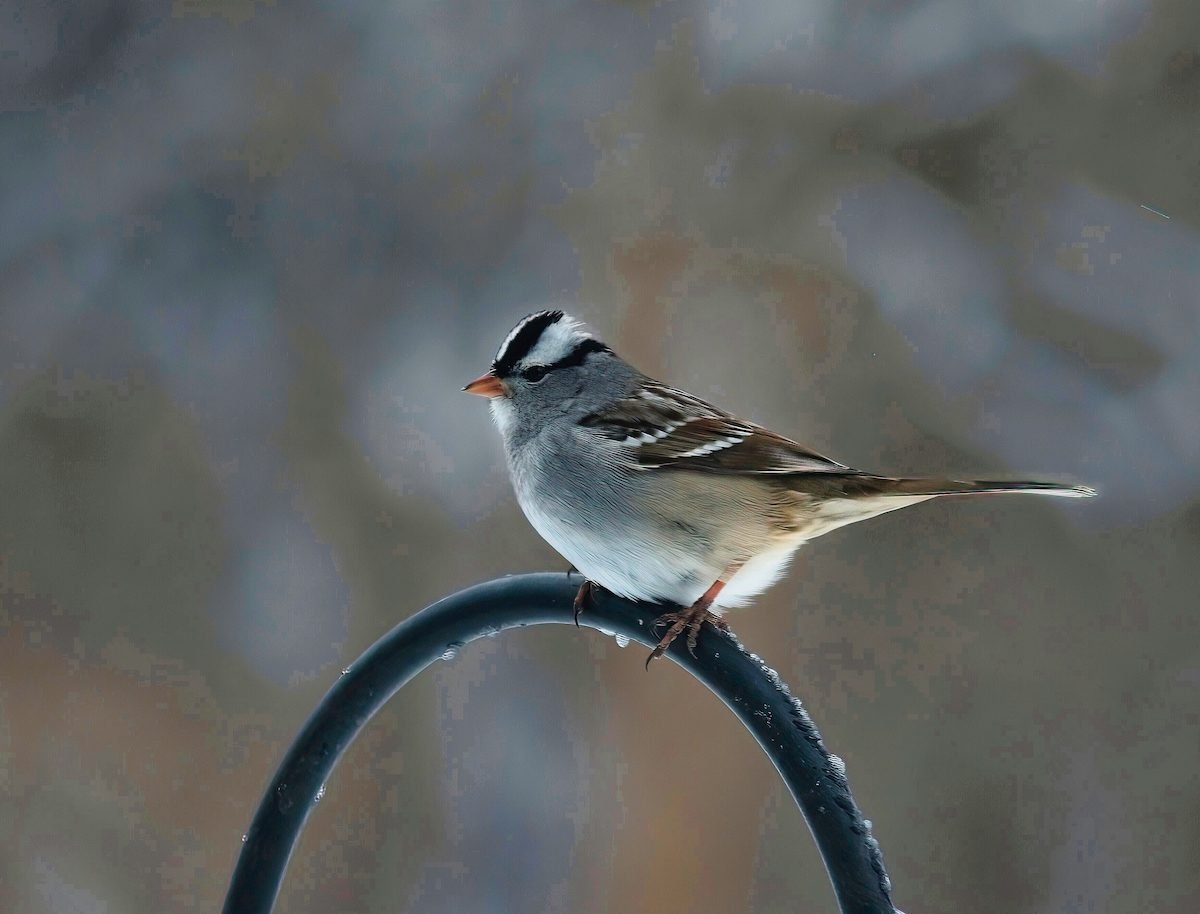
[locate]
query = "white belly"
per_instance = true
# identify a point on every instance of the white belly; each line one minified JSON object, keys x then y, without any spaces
{"x":631,"y":563}
{"x":641,"y":564}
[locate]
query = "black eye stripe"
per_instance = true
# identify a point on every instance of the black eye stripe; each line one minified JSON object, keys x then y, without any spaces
{"x":579,"y":354}
{"x":535,"y":373}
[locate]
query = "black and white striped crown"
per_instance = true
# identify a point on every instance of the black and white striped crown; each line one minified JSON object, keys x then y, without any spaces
{"x":550,"y":339}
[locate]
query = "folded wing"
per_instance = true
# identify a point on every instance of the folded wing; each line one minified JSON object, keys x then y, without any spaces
{"x":665,"y":427}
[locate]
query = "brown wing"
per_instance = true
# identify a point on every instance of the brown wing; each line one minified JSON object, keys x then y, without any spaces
{"x":665,"y":427}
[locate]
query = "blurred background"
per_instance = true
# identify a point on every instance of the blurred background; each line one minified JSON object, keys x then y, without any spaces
{"x":249,"y":253}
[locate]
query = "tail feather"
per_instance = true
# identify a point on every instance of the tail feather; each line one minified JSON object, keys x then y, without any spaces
{"x":930,"y":487}
{"x":847,"y":499}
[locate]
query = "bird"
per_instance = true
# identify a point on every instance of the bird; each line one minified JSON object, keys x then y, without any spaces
{"x":657,"y":495}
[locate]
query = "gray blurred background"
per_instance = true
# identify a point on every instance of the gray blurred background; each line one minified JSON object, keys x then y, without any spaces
{"x":249,"y":253}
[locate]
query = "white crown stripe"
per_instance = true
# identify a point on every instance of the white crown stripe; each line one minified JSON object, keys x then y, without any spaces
{"x":512,"y":335}
{"x":556,"y":342}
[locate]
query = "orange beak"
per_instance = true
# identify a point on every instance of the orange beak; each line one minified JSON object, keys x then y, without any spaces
{"x":487,"y":385}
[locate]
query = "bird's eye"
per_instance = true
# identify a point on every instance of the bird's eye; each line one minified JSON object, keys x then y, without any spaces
{"x":535,"y":374}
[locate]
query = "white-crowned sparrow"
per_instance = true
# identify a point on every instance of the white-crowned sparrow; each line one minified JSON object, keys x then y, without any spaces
{"x":656,"y":495}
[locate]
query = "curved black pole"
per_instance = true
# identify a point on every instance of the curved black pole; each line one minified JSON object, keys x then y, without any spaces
{"x":755,"y":694}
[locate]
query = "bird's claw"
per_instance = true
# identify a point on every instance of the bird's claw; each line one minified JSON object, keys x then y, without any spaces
{"x":582,"y":598}
{"x":691,"y":619}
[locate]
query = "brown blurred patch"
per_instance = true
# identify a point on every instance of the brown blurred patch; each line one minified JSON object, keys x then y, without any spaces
{"x":648,"y":269}
{"x":111,"y":507}
{"x":177,"y":770}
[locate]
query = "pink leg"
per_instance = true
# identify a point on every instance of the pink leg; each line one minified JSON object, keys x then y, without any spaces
{"x":693,"y":617}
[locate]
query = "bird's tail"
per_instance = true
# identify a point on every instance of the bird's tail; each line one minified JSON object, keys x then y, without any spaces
{"x":847,"y":499}
{"x":880,"y":485}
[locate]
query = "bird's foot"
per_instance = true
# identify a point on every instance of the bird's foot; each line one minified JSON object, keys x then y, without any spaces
{"x":583,"y":597}
{"x":690,"y":619}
